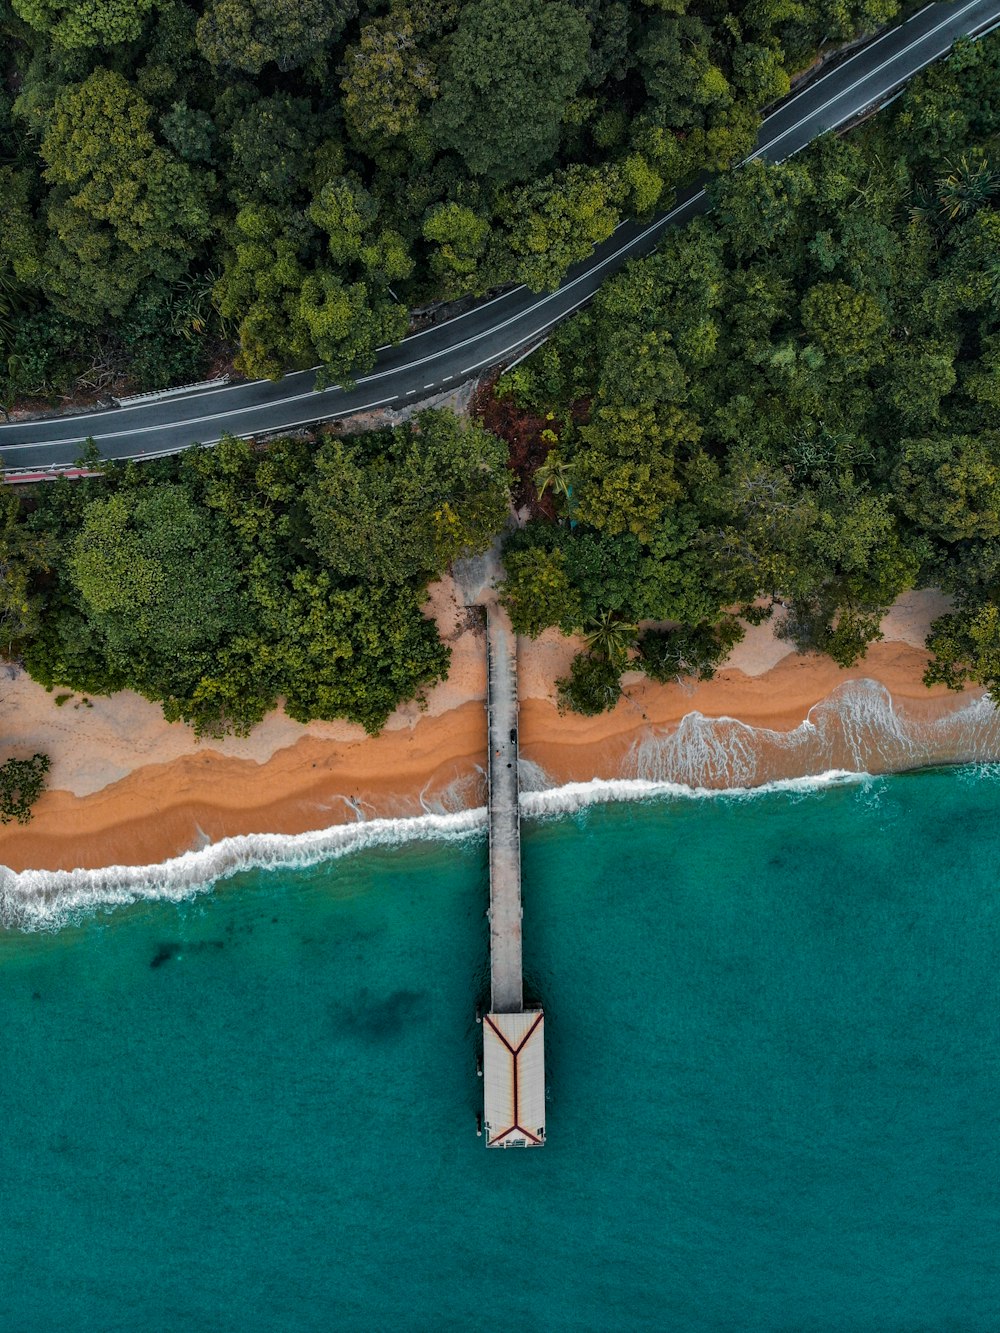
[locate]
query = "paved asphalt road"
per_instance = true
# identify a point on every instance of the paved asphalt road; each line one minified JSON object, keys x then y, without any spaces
{"x":449,"y":353}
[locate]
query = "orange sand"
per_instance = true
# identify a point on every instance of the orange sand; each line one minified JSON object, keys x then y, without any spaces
{"x":129,"y":789}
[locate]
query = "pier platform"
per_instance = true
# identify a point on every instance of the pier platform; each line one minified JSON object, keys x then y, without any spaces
{"x":514,"y":1079}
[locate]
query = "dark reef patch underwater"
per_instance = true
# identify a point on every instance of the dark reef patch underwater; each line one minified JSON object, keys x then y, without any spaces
{"x":772,"y":1061}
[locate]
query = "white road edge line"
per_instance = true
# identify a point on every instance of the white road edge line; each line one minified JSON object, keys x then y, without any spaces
{"x":551,"y":296}
{"x":870,"y":75}
{"x":524,"y":355}
{"x":368,"y":379}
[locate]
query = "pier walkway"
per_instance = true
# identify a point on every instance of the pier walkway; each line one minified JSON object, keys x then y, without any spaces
{"x":504,"y":818}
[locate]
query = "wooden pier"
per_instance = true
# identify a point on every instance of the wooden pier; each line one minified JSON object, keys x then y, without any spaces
{"x":504,"y":816}
{"x":513,"y":1050}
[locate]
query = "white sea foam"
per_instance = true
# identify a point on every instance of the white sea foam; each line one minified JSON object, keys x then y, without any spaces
{"x":855,"y":730}
{"x":857,"y":727}
{"x":47,"y":899}
{"x":40,"y":899}
{"x":575,"y":796}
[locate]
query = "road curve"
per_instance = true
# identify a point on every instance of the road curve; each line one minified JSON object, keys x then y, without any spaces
{"x":448,"y":353}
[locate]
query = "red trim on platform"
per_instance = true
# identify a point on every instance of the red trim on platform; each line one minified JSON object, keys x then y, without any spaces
{"x":514,"y":1053}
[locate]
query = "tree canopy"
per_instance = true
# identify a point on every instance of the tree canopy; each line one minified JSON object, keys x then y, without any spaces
{"x":512,"y":67}
{"x":793,"y":402}
{"x":222,"y":581}
{"x":276,"y":185}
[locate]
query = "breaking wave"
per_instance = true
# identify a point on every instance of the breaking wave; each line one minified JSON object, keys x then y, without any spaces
{"x":858,"y":727}
{"x":855,"y":733}
{"x":47,"y":899}
{"x":37,"y":899}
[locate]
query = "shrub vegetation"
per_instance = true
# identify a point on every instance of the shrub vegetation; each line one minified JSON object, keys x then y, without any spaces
{"x":797,"y":398}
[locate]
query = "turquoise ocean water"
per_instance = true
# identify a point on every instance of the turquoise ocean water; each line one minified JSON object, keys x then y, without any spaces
{"x":772,"y":1044}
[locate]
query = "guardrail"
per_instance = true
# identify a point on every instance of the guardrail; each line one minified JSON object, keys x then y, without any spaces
{"x":26,"y":476}
{"x":178,"y":391}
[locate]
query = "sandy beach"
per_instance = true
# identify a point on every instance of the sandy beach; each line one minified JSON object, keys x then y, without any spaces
{"x":127,"y":788}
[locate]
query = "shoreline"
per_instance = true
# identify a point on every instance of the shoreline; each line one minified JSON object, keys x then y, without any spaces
{"x":128,"y":789}
{"x":432,"y":766}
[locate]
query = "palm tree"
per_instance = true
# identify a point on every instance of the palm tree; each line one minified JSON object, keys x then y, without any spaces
{"x":554,"y":473}
{"x":926,"y":207}
{"x":966,"y":187}
{"x":609,"y":637}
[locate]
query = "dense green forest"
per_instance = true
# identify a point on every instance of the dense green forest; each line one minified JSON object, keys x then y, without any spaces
{"x":221,"y":580}
{"x":795,"y":400}
{"x":282,"y":181}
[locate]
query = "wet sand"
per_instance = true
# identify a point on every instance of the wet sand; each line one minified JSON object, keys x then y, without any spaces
{"x":129,"y":789}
